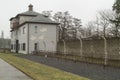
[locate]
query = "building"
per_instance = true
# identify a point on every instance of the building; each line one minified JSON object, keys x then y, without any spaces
{"x":32,"y":31}
{"x":4,"y":44}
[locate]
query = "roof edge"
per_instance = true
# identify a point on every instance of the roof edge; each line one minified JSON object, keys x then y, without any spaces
{"x":36,"y":23}
{"x":11,"y":18}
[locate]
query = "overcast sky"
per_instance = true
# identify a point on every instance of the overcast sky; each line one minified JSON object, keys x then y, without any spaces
{"x":86,"y":10}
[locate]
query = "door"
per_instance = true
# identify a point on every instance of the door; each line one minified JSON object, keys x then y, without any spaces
{"x":17,"y":46}
{"x":35,"y":46}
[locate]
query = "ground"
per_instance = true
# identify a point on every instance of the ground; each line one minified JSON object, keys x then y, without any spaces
{"x":38,"y":71}
{"x":91,"y":71}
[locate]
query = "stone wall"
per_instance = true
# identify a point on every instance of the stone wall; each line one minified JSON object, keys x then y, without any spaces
{"x":92,"y":47}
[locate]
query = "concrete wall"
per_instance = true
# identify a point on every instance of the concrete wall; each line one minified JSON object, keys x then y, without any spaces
{"x":92,"y":48}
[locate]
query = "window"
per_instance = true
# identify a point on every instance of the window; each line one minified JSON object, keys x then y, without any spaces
{"x":35,"y":46}
{"x":12,"y":46}
{"x":36,"y":29}
{"x":23,"y":30}
{"x":23,"y":46}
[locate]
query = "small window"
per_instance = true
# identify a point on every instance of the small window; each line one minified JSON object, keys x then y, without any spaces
{"x":23,"y":46}
{"x":23,"y":30}
{"x":35,"y":46}
{"x":14,"y":46}
{"x":36,"y":29}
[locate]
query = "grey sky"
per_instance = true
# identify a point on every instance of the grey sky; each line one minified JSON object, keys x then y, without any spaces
{"x":86,"y":10}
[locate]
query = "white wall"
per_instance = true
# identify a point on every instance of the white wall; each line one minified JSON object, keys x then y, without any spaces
{"x":45,"y":37}
{"x":23,"y":38}
{"x":14,"y":36}
{"x":12,"y":40}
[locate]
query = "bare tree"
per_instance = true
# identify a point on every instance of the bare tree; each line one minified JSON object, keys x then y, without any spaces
{"x":68,"y":24}
{"x":97,"y":25}
{"x":90,"y":29}
{"x":62,"y":19}
{"x":104,"y":21}
{"x":115,"y":25}
{"x":76,"y":26}
{"x":111,"y":19}
{"x":47,"y":13}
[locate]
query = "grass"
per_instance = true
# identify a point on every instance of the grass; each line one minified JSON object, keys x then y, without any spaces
{"x":39,"y":71}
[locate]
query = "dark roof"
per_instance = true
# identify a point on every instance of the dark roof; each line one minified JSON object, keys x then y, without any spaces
{"x":28,"y":13}
{"x":43,"y":19}
{"x":12,"y":18}
{"x":37,"y":17}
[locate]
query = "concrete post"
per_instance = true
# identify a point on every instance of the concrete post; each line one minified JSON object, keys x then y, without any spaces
{"x":119,"y":54}
{"x":105,"y":50}
{"x":64,"y":47}
{"x":45,"y":49}
{"x":81,"y":47}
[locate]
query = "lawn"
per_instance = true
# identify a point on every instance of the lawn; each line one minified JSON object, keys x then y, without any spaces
{"x":39,"y":71}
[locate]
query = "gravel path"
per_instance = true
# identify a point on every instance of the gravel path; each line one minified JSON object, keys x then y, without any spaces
{"x":91,"y":71}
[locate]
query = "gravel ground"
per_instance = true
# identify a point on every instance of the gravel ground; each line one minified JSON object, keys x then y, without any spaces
{"x":91,"y":71}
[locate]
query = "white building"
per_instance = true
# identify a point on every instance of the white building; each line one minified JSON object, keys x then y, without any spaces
{"x":31,"y":31}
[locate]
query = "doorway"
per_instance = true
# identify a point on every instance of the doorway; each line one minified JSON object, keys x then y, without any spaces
{"x":17,"y":46}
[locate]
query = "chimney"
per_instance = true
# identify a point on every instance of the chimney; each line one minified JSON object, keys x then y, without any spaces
{"x":30,"y":7}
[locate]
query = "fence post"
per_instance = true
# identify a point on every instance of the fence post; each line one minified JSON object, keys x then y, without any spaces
{"x":92,"y":51}
{"x":105,"y":50}
{"x":119,"y":54}
{"x":81,"y":47}
{"x":64,"y":47}
{"x":45,"y":50}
